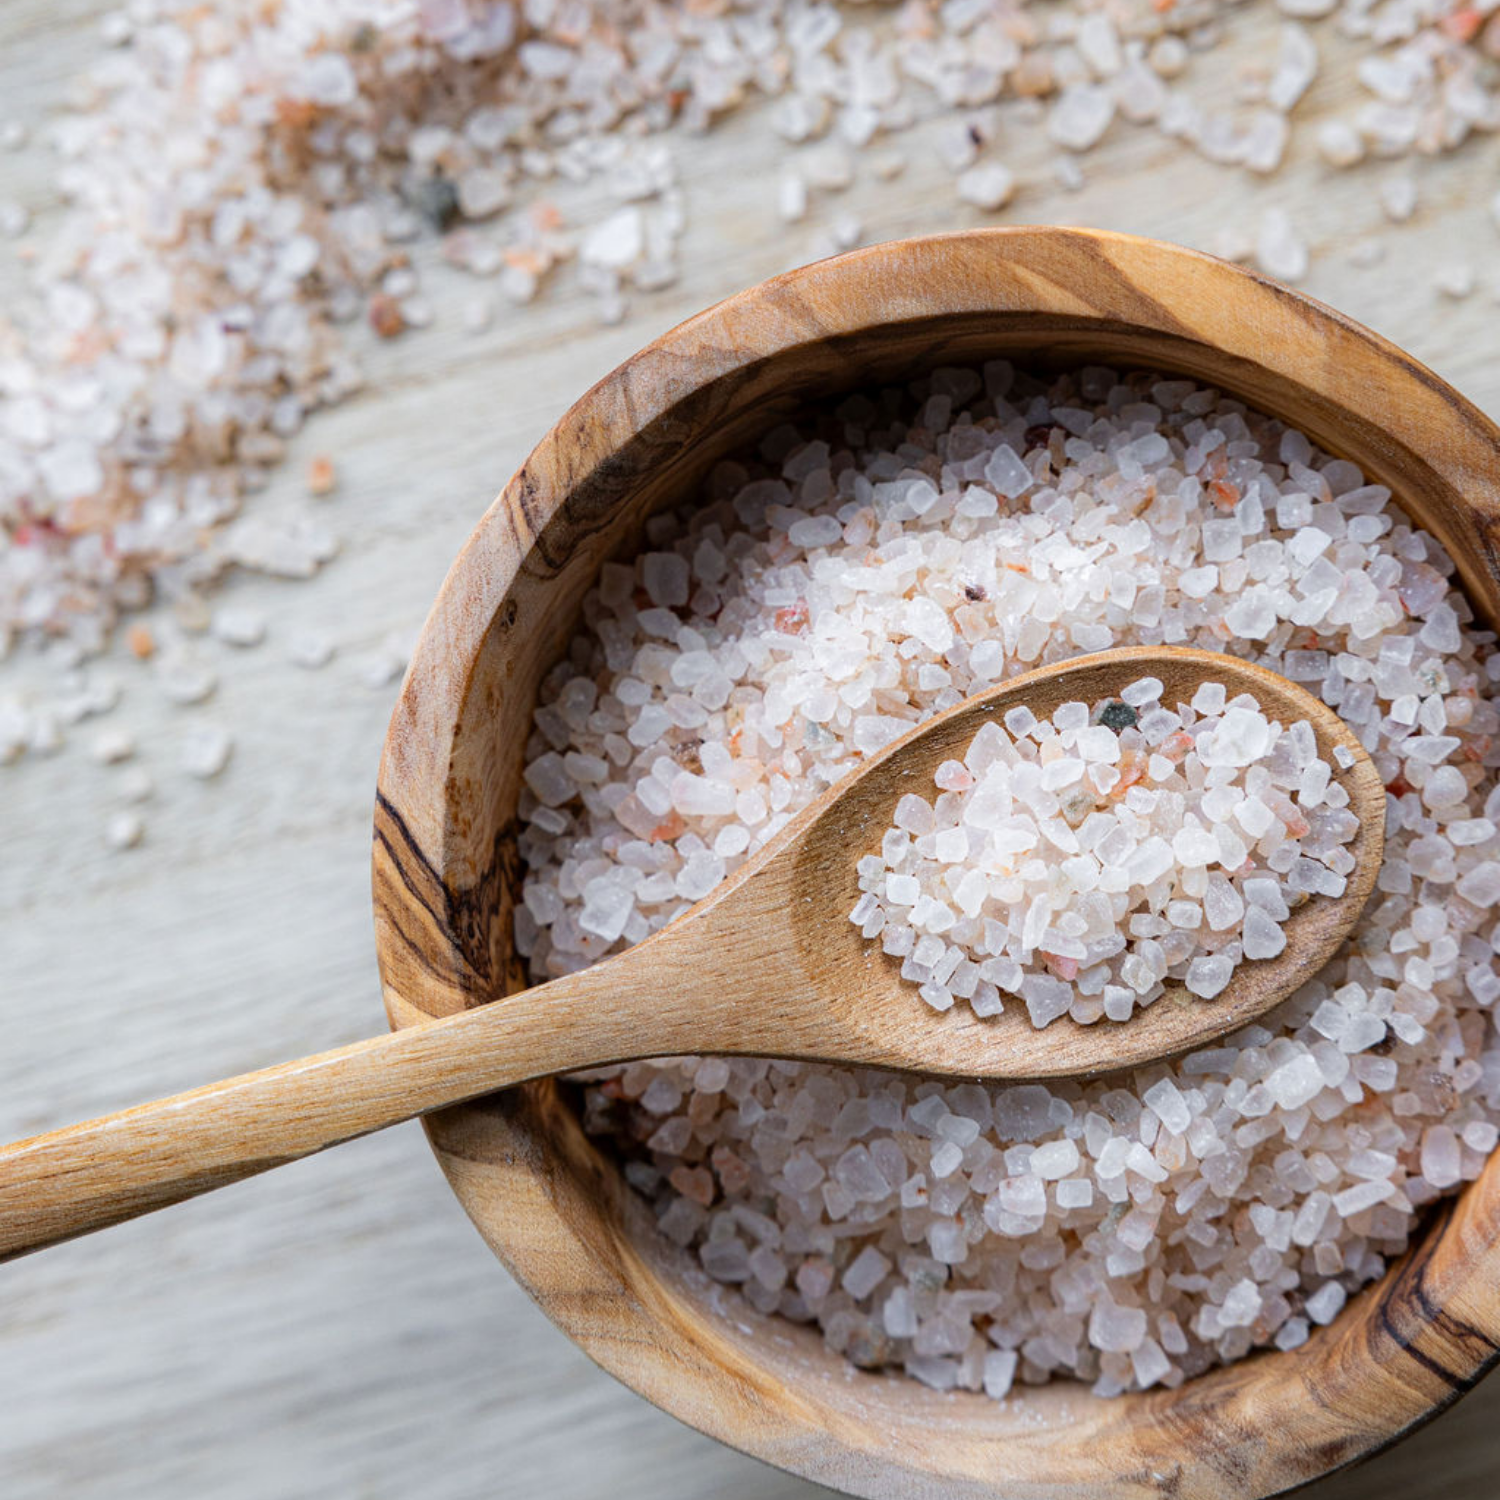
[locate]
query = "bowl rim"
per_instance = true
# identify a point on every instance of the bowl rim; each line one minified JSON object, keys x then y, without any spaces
{"x":1435,"y":1327}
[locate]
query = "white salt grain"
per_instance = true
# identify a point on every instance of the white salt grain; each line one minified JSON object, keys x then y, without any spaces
{"x":1207,"y":977}
{"x":1454,"y":280}
{"x":239,"y":625}
{"x":1080,"y":116}
{"x":1280,"y":250}
{"x":124,"y":830}
{"x":1398,"y":197}
{"x":1116,"y":1329}
{"x":999,"y":1372}
{"x":989,"y":186}
{"x":113,"y":746}
{"x":310,"y":649}
{"x":205,"y":751}
{"x":1263,"y":936}
{"x":1325,"y":1304}
{"x":135,"y":784}
{"x":1165,"y":1100}
{"x":1055,"y":1160}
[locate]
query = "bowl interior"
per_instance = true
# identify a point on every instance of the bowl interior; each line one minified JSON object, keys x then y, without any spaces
{"x":555,"y":1208}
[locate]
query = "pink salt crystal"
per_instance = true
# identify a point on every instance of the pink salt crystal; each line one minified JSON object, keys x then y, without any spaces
{"x":733,"y":1172}
{"x":953,"y":776}
{"x":1063,"y":968}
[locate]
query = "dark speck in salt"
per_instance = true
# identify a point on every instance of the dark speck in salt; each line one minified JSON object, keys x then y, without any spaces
{"x":974,"y":593}
{"x":685,"y":753}
{"x":1118,"y":716}
{"x":436,"y":199}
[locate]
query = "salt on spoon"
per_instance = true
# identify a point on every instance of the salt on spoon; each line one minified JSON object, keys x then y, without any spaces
{"x":1085,"y":860}
{"x":767,"y":965}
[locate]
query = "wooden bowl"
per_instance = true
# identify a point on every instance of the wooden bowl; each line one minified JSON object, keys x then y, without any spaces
{"x":552,"y":1206}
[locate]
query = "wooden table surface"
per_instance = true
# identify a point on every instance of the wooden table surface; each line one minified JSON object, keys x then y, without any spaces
{"x":337,"y":1328}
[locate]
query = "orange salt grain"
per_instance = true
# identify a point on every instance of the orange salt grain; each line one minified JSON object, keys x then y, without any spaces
{"x":385,"y":315}
{"x":1132,"y":768}
{"x":670,"y":828}
{"x":295,"y":114}
{"x":793,"y":619}
{"x":322,"y":477}
{"x":1461,"y":25}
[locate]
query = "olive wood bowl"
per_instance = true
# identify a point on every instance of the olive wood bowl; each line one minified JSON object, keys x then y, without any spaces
{"x":551,"y":1204}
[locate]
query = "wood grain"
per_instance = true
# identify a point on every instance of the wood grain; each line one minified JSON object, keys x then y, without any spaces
{"x":553,"y":1209}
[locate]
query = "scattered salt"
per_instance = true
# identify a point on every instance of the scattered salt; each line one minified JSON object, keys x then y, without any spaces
{"x":296,"y":215}
{"x":124,"y":830}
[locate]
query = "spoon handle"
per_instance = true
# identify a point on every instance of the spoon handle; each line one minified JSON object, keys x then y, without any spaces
{"x":85,"y":1177}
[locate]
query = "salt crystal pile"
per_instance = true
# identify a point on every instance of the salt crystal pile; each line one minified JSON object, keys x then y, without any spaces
{"x":1087,"y":860}
{"x":876,"y":564}
{"x":247,"y":179}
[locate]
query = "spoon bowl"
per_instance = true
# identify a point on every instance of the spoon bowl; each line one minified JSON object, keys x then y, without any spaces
{"x":881,"y":1017}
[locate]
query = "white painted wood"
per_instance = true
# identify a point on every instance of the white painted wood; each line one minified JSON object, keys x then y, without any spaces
{"x":288,"y":1337}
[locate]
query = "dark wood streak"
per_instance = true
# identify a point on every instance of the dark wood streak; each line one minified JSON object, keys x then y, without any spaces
{"x":412,"y":905}
{"x":473,"y":913}
{"x":1406,"y":1292}
{"x":1089,"y":263}
{"x":415,"y":871}
{"x":464,"y":918}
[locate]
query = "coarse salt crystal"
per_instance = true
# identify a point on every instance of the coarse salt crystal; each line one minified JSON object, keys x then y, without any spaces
{"x":124,"y":830}
{"x":205,"y":751}
{"x":989,"y":186}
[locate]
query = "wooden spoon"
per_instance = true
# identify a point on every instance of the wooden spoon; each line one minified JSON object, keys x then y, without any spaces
{"x":767,"y":965}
